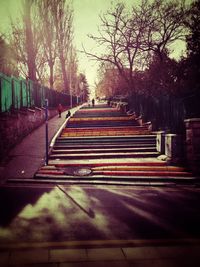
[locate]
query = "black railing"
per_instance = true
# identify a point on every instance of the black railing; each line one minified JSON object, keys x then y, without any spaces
{"x":166,"y":112}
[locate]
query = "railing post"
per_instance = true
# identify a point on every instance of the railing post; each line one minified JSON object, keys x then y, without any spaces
{"x":174,"y":148}
{"x":1,"y":104}
{"x":193,"y":144}
{"x":71,"y":100}
{"x":13,"y":93}
{"x":21,"y":94}
{"x":160,"y":142}
{"x":46,"y":132}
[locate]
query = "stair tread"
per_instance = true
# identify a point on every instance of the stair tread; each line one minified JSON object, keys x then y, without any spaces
{"x":117,"y":177}
{"x":125,"y":154}
{"x":103,"y":149}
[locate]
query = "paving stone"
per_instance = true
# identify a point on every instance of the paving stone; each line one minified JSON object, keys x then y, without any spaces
{"x":62,"y":255}
{"x":179,"y":252}
{"x":105,"y":254}
{"x":163,"y":263}
{"x":142,"y":263}
{"x":38,"y":265}
{"x":29,"y":256}
{"x":97,"y":264}
{"x":4,"y":256}
{"x":140,"y":253}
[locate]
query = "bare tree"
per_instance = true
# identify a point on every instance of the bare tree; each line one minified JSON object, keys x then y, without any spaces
{"x":165,"y":24}
{"x":63,"y":18}
{"x":83,"y":87}
{"x":110,"y":82}
{"x":29,"y":41}
{"x":72,"y":66}
{"x":25,"y":39}
{"x":131,"y":37}
{"x":48,"y":36}
{"x":7,"y":58}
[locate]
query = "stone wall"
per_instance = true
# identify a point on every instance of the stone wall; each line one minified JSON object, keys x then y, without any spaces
{"x":174,"y":148}
{"x":15,"y":126}
{"x":193,"y":144}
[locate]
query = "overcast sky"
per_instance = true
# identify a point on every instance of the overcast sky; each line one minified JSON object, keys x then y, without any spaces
{"x":86,"y":21}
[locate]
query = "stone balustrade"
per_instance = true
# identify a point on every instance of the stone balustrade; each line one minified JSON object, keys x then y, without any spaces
{"x":193,"y":144}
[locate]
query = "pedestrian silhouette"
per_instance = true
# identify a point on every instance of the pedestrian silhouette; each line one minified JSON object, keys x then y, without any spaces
{"x":68,"y":114}
{"x":93,"y":102}
{"x":60,"y":109}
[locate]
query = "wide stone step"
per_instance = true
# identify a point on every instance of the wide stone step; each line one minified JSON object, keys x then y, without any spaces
{"x":60,"y":146}
{"x":147,"y":167}
{"x":122,"y":172}
{"x":108,"y":150}
{"x":107,"y":140}
{"x":105,"y":155}
{"x":117,"y":178}
{"x":104,"y":132}
{"x":102,"y":115}
{"x":98,"y":133}
{"x":140,"y":173}
{"x":134,"y":168}
{"x":62,"y":163}
{"x":98,"y":106}
{"x":102,"y":124}
{"x":110,"y":128}
{"x":94,"y":119}
{"x":99,"y":113}
{"x":86,"y":142}
{"x":112,"y":171}
{"x":86,"y":182}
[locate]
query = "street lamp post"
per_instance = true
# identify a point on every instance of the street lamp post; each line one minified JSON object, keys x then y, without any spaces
{"x":46,"y":132}
{"x":81,"y":87}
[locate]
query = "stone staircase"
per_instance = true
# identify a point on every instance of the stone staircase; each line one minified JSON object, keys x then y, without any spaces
{"x":102,"y":145}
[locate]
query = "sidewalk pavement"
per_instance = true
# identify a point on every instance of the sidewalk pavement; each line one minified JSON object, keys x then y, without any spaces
{"x":151,"y":256}
{"x":26,"y":157}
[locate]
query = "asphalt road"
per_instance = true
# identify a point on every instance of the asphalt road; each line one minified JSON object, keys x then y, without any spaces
{"x":45,"y":213}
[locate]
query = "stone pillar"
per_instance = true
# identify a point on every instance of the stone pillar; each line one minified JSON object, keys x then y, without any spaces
{"x":174,"y":148}
{"x":160,"y":142}
{"x":193,"y":144}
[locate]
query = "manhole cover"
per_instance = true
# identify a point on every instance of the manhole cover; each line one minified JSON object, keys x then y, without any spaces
{"x":69,"y":170}
{"x":82,"y":172}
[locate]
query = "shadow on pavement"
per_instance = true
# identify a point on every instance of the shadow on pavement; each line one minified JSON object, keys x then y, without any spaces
{"x":13,"y":201}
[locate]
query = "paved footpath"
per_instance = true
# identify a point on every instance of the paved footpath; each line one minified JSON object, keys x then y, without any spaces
{"x":26,"y":157}
{"x":104,"y":257}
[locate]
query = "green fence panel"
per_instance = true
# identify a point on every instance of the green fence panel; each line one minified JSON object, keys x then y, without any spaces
{"x":19,"y":93}
{"x":24,"y":91}
{"x":42,"y":96}
{"x":16,"y":93}
{"x":6,"y":93}
{"x":31,"y":94}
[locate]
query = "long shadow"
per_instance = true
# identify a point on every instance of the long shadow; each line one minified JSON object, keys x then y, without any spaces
{"x":166,"y":220}
{"x":89,"y":212}
{"x":13,"y":200}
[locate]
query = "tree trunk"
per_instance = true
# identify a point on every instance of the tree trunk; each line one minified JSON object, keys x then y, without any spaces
{"x":51,"y":78}
{"x":64,"y":73}
{"x":30,"y":49}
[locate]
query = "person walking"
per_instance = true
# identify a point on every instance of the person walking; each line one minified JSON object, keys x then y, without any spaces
{"x":93,"y":102}
{"x":60,"y":109}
